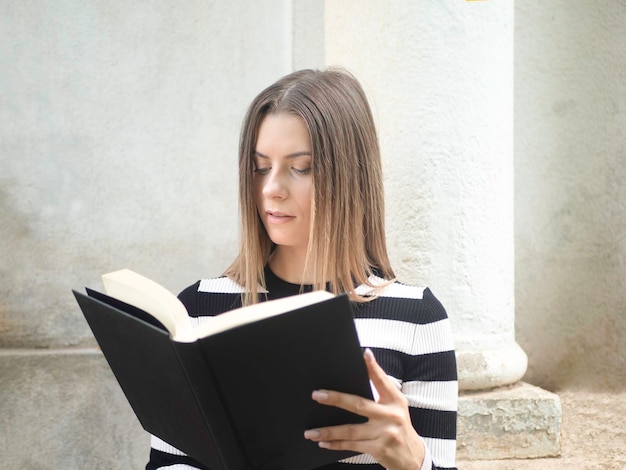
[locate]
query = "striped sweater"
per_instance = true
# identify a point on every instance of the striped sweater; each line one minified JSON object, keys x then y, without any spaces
{"x":409,"y":332}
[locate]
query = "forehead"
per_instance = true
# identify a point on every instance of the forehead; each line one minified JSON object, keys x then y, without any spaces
{"x":282,"y":131}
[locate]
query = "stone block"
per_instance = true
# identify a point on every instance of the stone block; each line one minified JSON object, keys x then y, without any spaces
{"x":516,"y":422}
{"x":64,"y":409}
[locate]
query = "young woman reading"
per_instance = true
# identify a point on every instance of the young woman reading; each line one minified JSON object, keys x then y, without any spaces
{"x":312,"y":217}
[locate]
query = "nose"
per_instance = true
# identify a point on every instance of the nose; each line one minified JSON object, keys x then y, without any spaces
{"x":274,"y":185}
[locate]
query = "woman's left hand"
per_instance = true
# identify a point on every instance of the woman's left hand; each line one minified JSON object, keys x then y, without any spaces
{"x":388,"y":435}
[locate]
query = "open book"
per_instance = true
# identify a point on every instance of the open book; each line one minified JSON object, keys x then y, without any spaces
{"x":234,"y":392}
{"x":146,"y":294}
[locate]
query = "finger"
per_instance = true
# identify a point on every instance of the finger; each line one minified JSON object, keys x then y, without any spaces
{"x":355,"y":438}
{"x":360,"y":447}
{"x":383,"y":385}
{"x":353,"y":403}
{"x":344,"y":432}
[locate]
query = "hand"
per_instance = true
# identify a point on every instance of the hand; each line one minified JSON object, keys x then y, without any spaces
{"x":388,"y":435}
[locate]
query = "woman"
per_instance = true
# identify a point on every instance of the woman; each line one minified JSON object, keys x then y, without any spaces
{"x":311,"y":200}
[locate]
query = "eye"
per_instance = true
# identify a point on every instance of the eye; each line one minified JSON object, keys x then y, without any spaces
{"x":302,"y":171}
{"x":262,"y":171}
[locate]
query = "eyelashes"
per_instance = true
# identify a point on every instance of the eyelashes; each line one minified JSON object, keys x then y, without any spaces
{"x":297,"y":171}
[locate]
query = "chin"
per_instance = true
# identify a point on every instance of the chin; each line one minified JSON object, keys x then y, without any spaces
{"x":286,"y":241}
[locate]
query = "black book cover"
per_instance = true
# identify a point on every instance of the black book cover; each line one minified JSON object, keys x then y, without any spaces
{"x":239,"y":399}
{"x":146,"y":364}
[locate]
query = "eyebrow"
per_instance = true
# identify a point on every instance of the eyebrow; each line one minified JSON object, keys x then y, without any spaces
{"x":291,"y":155}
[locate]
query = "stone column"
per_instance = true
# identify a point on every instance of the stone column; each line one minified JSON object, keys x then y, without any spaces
{"x":440,"y":78}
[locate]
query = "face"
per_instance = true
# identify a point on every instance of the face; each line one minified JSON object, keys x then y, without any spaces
{"x":283,"y":180}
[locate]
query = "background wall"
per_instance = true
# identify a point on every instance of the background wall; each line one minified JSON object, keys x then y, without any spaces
{"x":570,"y":192}
{"x":118,"y":138}
{"x":119,"y":125}
{"x":118,"y":144}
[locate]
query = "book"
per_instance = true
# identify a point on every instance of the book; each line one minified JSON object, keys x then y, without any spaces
{"x":234,"y":393}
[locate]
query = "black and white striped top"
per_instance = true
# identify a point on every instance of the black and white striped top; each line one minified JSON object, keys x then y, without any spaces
{"x":409,"y":332}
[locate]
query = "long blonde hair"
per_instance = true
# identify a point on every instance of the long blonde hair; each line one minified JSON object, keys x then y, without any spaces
{"x":347,"y":235}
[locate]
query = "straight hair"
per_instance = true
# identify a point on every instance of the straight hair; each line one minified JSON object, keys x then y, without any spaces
{"x":347,"y":242}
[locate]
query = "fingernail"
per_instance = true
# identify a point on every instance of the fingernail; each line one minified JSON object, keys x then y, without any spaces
{"x":312,"y":434}
{"x":368,"y":354}
{"x":324,"y":445}
{"x":319,"y":395}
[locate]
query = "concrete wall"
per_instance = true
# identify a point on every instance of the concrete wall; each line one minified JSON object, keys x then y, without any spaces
{"x":118,"y":142}
{"x":570,"y":196}
{"x":119,"y":124}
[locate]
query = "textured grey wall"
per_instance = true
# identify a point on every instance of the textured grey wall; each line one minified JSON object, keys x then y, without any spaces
{"x":570,"y":197}
{"x":118,"y":144}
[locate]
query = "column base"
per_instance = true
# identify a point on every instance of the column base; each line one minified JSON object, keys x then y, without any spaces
{"x":485,"y":368}
{"x":515,"y":422}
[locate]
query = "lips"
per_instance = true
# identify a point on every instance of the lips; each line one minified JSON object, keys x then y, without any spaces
{"x":277,"y":217}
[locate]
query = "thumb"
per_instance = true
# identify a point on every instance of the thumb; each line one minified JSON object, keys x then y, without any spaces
{"x":385,"y":388}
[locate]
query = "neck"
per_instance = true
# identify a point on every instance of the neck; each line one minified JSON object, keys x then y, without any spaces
{"x":289,"y":264}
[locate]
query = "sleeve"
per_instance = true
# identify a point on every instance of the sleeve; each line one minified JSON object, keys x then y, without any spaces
{"x":427,"y":464}
{"x":167,"y":457}
{"x":430,"y":383}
